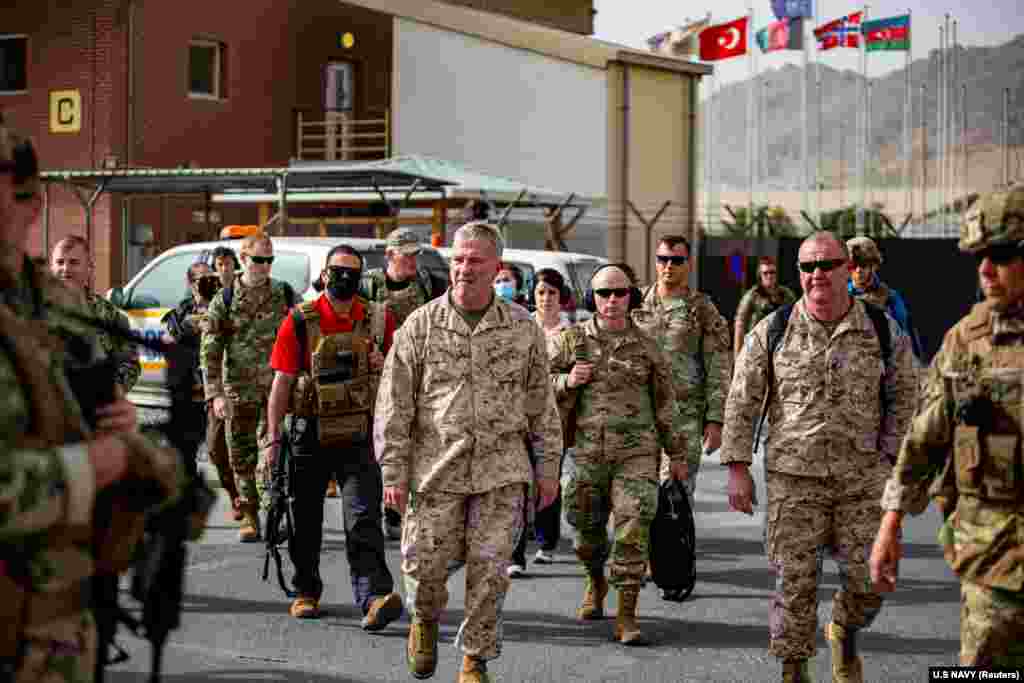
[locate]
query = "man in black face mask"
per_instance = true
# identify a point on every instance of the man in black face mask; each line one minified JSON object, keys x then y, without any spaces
{"x":327,"y":359}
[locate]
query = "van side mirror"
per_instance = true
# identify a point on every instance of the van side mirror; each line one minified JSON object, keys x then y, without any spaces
{"x":116,"y":296}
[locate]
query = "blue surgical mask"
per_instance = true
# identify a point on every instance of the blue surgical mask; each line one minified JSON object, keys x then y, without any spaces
{"x":506,"y":290}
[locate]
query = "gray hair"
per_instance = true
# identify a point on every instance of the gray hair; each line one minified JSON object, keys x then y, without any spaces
{"x":481,"y":230}
{"x":825,"y":235}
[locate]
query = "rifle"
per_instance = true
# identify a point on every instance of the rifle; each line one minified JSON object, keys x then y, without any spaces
{"x":158,"y":568}
{"x":280,"y":524}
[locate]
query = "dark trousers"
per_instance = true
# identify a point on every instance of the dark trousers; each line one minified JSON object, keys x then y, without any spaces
{"x":548,"y":523}
{"x":193,"y":434}
{"x":362,"y":491}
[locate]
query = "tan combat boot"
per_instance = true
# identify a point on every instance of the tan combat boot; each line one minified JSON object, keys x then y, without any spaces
{"x":473,"y":671}
{"x":332,"y":489}
{"x":846,"y":664}
{"x":627,"y":631}
{"x":421,"y":650}
{"x":250,"y":531}
{"x":795,"y":671}
{"x":592,"y":606}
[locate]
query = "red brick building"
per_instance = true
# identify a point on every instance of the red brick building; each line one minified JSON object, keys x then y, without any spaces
{"x":141,"y":83}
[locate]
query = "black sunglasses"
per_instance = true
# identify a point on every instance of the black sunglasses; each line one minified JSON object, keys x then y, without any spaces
{"x":827,"y":266}
{"x":674,"y":260}
{"x":606,"y":292}
{"x":262,"y":260}
{"x":999,"y":255}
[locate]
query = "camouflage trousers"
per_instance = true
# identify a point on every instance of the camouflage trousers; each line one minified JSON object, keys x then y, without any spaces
{"x":444,"y":531}
{"x":63,"y":651}
{"x":807,"y":517}
{"x":991,"y":627}
{"x":626,"y":491}
{"x":217,"y":451}
{"x":246,"y":426}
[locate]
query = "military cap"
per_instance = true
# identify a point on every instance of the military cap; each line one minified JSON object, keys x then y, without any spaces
{"x":404,"y":241}
{"x":18,"y":158}
{"x":995,"y":218}
{"x":863,"y":250}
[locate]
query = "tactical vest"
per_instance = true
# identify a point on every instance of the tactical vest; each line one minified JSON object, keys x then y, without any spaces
{"x":401,"y":302}
{"x":339,"y":388}
{"x":983,"y":481}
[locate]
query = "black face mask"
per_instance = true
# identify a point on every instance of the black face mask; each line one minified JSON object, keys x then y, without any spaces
{"x":208,"y":285}
{"x":342,"y":283}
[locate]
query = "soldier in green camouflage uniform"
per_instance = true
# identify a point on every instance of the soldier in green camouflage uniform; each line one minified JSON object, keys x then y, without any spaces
{"x":403,"y":288}
{"x":964,"y":446}
{"x":838,"y":406}
{"x":625,"y":416}
{"x":71,"y":263}
{"x":760,"y":300}
{"x":694,"y":337}
{"x":51,"y":465}
{"x":235,"y":357}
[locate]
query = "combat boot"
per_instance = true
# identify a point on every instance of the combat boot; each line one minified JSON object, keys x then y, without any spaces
{"x":795,"y":671}
{"x":250,"y":531}
{"x":596,"y":589}
{"x":846,"y":664}
{"x":473,"y":671}
{"x":627,"y":631}
{"x":421,"y":650}
{"x":332,"y":488}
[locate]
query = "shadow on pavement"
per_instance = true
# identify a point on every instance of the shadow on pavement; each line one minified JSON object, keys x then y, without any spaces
{"x":233,"y":675}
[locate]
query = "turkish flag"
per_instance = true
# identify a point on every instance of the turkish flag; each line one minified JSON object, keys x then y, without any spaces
{"x":723,"y":41}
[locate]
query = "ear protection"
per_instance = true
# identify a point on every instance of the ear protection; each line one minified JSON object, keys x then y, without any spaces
{"x":636,"y":297}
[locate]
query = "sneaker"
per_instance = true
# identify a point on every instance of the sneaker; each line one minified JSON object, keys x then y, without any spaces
{"x":516,"y":571}
{"x":305,"y":607}
{"x":383,"y":610}
{"x":543,"y":558}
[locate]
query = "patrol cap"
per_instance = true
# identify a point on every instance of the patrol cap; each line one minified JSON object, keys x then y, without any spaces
{"x":18,"y":158}
{"x":404,"y":241}
{"x":994,"y":219}
{"x":863,"y":250}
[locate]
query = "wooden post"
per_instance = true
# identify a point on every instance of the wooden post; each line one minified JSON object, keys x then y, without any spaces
{"x":263,"y":213}
{"x":440,"y":222}
{"x":649,"y":225}
{"x":298,"y":135}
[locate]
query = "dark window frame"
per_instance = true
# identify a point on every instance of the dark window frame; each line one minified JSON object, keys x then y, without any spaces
{"x":15,"y":37}
{"x":218,"y":65}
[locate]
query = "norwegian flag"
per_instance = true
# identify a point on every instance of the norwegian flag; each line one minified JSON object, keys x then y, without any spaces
{"x":841,"y":32}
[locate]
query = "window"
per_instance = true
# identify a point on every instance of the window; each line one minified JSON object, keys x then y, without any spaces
{"x":13,"y":63}
{"x":164,"y":285}
{"x":206,"y":60}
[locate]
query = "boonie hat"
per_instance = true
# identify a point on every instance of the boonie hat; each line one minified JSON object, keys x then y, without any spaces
{"x":404,"y":241}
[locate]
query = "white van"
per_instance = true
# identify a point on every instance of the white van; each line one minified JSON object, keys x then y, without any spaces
{"x":575,"y":268}
{"x":160,"y":286}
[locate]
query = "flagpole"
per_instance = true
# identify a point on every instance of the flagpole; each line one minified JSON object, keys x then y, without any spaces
{"x":939,"y":124}
{"x":945,"y":122}
{"x":819,"y":181}
{"x":750,"y":115}
{"x":862,"y":132}
{"x":804,"y":139}
{"x":954,"y":121}
{"x":908,"y":145}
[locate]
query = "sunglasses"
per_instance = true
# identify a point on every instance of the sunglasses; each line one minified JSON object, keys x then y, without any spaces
{"x":674,"y":260}
{"x":826,"y":266}
{"x":768,"y":272}
{"x":606,"y":293}
{"x":262,"y":260}
{"x":999,"y":255}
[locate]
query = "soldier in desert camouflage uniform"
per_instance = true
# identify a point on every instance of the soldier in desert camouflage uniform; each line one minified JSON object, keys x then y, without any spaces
{"x":760,"y":300}
{"x":838,"y":409}
{"x":71,"y":263}
{"x":965,"y":441}
{"x":625,"y":416}
{"x":51,"y":465}
{"x":694,"y":337}
{"x":464,"y":387}
{"x":235,"y":356}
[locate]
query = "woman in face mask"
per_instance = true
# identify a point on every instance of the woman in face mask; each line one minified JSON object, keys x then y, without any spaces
{"x":508,"y":284}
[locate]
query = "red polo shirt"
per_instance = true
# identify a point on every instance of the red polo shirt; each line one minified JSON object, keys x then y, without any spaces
{"x":285,"y":356}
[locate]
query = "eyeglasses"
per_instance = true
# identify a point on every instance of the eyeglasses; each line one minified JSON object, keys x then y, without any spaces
{"x":999,"y":255}
{"x":674,"y":260}
{"x":826,"y":266}
{"x":262,"y":260}
{"x":606,"y":293}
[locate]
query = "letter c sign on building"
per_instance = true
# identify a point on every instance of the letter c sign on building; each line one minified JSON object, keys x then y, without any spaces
{"x":65,"y":111}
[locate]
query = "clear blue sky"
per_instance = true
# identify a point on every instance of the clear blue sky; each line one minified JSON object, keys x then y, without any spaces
{"x":988,"y":22}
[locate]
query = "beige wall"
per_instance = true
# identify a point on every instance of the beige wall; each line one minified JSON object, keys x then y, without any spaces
{"x":649,"y":160}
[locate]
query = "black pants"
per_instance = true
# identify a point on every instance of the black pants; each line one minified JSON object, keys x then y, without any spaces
{"x":193,"y":434}
{"x":362,"y":491}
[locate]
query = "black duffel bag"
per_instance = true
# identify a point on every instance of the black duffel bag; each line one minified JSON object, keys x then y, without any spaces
{"x":673,"y":543}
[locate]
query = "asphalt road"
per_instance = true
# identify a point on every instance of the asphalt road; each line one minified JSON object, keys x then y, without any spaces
{"x":235,"y":627}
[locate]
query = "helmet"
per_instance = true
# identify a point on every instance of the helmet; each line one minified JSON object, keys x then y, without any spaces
{"x":996,"y":218}
{"x":864,"y":250}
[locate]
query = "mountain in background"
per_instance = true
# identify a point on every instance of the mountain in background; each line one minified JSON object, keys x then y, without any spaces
{"x":986,"y":71}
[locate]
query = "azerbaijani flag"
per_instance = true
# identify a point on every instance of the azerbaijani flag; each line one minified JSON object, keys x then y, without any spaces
{"x":892,"y":33}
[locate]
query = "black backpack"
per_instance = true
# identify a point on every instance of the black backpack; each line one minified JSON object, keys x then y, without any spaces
{"x":673,"y":543}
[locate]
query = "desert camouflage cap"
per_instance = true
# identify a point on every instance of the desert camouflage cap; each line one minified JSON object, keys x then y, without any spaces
{"x":864,"y":250}
{"x":404,"y":241}
{"x":996,"y":218}
{"x":18,"y":158}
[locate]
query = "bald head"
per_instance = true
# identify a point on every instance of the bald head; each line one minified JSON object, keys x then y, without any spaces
{"x":611,"y":277}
